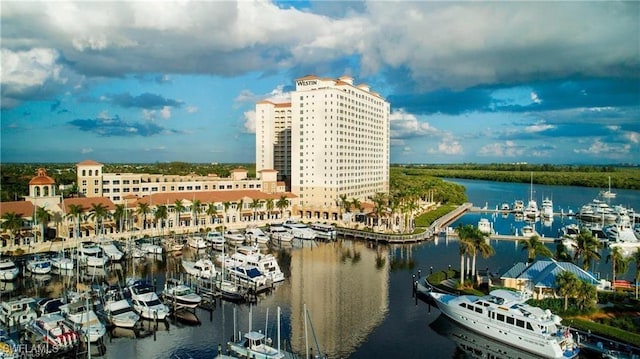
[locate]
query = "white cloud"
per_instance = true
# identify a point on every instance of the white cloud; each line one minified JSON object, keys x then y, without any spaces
{"x":192,"y":109}
{"x":632,"y":136}
{"x":86,"y":150}
{"x":535,"y":98}
{"x":407,"y":125}
{"x":447,"y":147}
{"x":539,"y":127}
{"x":250,"y":121}
{"x":506,"y":149}
{"x":598,"y":147}
{"x":23,"y":71}
{"x":165,"y":112}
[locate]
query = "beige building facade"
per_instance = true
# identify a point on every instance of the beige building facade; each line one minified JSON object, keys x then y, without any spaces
{"x":339,"y":141}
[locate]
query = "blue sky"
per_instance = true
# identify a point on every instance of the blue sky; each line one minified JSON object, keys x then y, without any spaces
{"x":484,"y":82}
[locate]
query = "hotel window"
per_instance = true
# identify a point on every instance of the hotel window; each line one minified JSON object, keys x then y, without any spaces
{"x":84,"y":182}
{"x":95,"y":190}
{"x":116,"y":182}
{"x":96,"y":182}
{"x":180,"y":188}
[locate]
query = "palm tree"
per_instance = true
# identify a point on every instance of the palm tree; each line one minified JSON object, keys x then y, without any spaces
{"x":464,"y":233}
{"x":211,"y":211}
{"x":12,"y":222}
{"x":161,"y":214}
{"x":355,"y":203}
{"x":282,"y":204}
{"x":619,"y":263}
{"x":75,"y":212}
{"x":636,"y":258}
{"x":534,"y":247}
{"x":98,"y":212}
{"x":143,"y":210}
{"x":179,"y":208}
{"x":255,"y":203}
{"x":196,"y":207}
{"x":119,"y":215}
{"x":379,"y":200}
{"x":567,"y":284}
{"x":269,"y":204}
{"x":480,"y":245}
{"x":44,"y":217}
{"x":226,"y":206}
{"x":587,"y":247}
{"x":561,"y":253}
{"x":344,"y":204}
{"x":585,"y":295}
{"x":57,"y":218}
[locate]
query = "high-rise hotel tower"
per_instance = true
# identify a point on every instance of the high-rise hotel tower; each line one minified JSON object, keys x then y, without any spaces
{"x":331,"y":140}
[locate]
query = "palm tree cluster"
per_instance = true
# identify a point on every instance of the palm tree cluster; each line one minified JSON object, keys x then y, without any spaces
{"x":569,"y":285}
{"x":472,"y":242}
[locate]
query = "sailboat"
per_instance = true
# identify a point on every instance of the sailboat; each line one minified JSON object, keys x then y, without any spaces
{"x":532,"y":211}
{"x":608,"y":194}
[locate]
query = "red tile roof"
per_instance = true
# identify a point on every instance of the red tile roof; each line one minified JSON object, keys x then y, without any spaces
{"x":23,"y":208}
{"x":89,"y":163}
{"x":42,"y":178}
{"x":87,"y":203}
{"x":211,"y":196}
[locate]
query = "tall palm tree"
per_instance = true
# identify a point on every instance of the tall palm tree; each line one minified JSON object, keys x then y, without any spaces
{"x":226,"y":206}
{"x":355,"y":203}
{"x":567,"y":284}
{"x":619,"y":263}
{"x":239,"y":208}
{"x":12,"y":222}
{"x":179,"y":208}
{"x":282,"y":204}
{"x":270,"y":205}
{"x":211,"y":212}
{"x":43,"y":216}
{"x":636,"y":258}
{"x":464,"y":233}
{"x":161,"y":214}
{"x":196,"y":207}
{"x":57,"y":218}
{"x":480,"y":245}
{"x":344,"y":204}
{"x":75,"y":212}
{"x":535,"y":247}
{"x":255,"y":203}
{"x":142,"y":210}
{"x":587,"y":247}
{"x":379,"y":200}
{"x":98,"y":213}
{"x":119,"y":215}
{"x":585,"y":294}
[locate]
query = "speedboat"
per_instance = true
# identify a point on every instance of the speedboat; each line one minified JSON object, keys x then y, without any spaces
{"x":202,"y":268}
{"x":8,"y":270}
{"x":254,"y":345}
{"x":504,"y":316}
{"x":118,"y":310}
{"x":52,"y":329}
{"x":92,"y":255}
{"x":280,"y":234}
{"x":216,"y":239}
{"x":300,"y":230}
{"x":112,"y":251}
{"x":248,"y":275}
{"x":234,"y":237}
{"x":196,"y":242}
{"x":547,"y":208}
{"x":84,"y":318}
{"x":38,"y":265}
{"x":178,"y":294}
{"x":324,"y":231}
{"x":146,"y":302}
{"x":256,"y":236}
{"x":251,"y":256}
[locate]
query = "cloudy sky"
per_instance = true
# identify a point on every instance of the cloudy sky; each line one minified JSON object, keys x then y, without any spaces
{"x":142,"y":81}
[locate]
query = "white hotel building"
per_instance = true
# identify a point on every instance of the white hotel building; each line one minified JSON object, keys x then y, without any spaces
{"x":332,"y":139}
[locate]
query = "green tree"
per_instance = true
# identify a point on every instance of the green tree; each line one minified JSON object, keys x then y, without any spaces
{"x":587,"y":247}
{"x":636,"y":258}
{"x":534,"y":247}
{"x":75,"y":213}
{"x":211,"y":212}
{"x":567,"y":284}
{"x":619,"y":264}
{"x":282,"y":204}
{"x":465,"y":247}
{"x":585,"y":295}
{"x":43,"y":216}
{"x":270,"y":205}
{"x":98,"y":213}
{"x":12,"y":222}
{"x":143,"y":210}
{"x":161,"y":215}
{"x":255,"y":204}
{"x":379,"y":200}
{"x":344,"y":204}
{"x":561,"y":253}
{"x":480,"y":244}
{"x":179,"y":208}
{"x":196,"y":207}
{"x":119,"y":215}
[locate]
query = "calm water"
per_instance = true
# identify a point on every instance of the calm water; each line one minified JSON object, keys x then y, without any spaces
{"x":358,"y":296}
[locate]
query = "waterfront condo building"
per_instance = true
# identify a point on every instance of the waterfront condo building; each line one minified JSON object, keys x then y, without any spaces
{"x":331,"y":140}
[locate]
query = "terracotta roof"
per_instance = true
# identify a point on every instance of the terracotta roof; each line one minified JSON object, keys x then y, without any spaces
{"x":308,"y":77}
{"x":283,"y":104}
{"x":89,"y":163}
{"x":212,"y":196}
{"x":86,"y":203}
{"x":23,"y":208}
{"x":41,"y":178}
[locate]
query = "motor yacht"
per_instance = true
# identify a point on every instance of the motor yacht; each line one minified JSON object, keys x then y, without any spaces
{"x":8,"y":270}
{"x":145,"y":301}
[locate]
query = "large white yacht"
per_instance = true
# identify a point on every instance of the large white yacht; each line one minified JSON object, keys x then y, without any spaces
{"x":300,"y":230}
{"x":146,"y":302}
{"x":92,"y":255}
{"x":216,"y":239}
{"x":504,"y":316}
{"x":8,"y":270}
{"x":85,"y":319}
{"x":249,"y":255}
